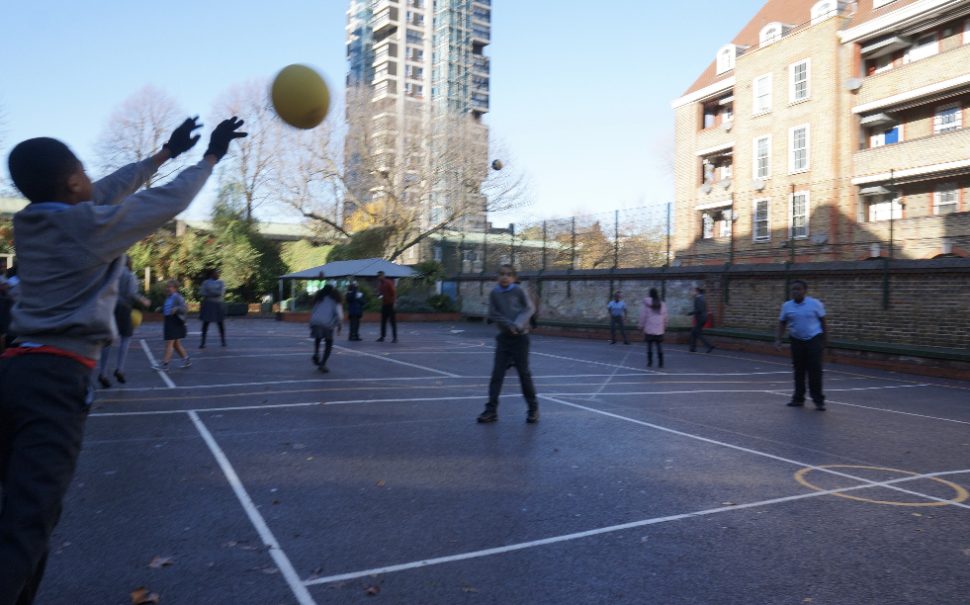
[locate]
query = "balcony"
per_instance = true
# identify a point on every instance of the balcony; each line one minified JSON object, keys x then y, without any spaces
{"x":481,"y":35}
{"x":925,"y":72}
{"x":379,"y":5}
{"x":715,"y":137}
{"x":385,"y":22}
{"x":481,"y":65}
{"x":927,"y":151}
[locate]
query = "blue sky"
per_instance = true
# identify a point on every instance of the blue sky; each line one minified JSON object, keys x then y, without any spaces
{"x":581,"y":91}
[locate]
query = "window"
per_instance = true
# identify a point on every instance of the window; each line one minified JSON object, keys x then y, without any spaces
{"x":885,"y":136}
{"x":762,"y":94}
{"x":798,"y":140}
{"x":798,"y":215}
{"x":966,"y":31}
{"x":946,"y":198}
{"x":770,"y":33}
{"x":948,"y":118}
{"x":880,"y":64}
{"x":798,"y":76}
{"x":925,"y":46}
{"x":761,"y":228}
{"x":762,"y":157}
{"x":707,"y":222}
{"x":883,"y":207}
{"x":716,"y":223}
{"x":823,"y":10}
{"x":725,"y":58}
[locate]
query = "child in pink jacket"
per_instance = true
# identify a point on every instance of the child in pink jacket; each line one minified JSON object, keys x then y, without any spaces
{"x":653,"y":323}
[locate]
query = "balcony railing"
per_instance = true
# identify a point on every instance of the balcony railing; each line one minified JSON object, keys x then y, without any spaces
{"x":927,"y":151}
{"x":931,"y":70}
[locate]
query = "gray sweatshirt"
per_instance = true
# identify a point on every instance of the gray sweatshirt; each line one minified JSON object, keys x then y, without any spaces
{"x":512,"y":307}
{"x":212,"y":290}
{"x":326,"y":313}
{"x":69,"y":257}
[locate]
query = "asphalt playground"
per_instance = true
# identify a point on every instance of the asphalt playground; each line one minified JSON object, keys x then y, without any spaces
{"x":252,"y":478}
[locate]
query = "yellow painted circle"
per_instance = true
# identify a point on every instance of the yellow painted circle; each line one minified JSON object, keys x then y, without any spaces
{"x":960,"y":491}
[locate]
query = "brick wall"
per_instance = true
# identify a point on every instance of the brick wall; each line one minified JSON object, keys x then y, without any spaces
{"x":929,"y":300}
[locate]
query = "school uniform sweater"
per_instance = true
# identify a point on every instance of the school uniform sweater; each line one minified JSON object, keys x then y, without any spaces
{"x":69,"y":257}
{"x":508,"y":307}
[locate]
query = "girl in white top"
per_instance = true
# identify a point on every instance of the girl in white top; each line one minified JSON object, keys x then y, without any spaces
{"x":653,"y":324}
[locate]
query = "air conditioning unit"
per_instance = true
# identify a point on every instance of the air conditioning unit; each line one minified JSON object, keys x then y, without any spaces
{"x":727,"y":125}
{"x":757,"y":184}
{"x":725,"y":184}
{"x":706,"y":188}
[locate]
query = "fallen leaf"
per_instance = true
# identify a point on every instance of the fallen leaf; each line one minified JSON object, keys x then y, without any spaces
{"x":159,"y":562}
{"x":141,"y":596}
{"x":380,"y":483}
{"x":373,"y":591}
{"x":469,"y":589}
{"x":728,"y":503}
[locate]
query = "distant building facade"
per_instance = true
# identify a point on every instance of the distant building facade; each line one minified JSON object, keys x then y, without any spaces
{"x":829,"y":130}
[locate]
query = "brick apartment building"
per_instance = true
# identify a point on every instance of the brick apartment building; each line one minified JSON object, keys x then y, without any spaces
{"x":829,"y":130}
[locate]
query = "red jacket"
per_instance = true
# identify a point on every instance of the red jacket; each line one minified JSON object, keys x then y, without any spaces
{"x":385,"y":287}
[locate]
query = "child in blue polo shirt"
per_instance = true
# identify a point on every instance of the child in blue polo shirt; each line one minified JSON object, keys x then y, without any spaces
{"x":804,"y":317}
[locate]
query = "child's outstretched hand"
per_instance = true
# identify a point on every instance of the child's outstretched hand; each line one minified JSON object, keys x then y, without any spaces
{"x":182,"y":139}
{"x":223,"y":134}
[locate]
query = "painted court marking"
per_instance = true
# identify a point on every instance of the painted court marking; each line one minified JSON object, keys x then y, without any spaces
{"x":151,"y":359}
{"x":398,"y":361}
{"x":605,"y":530}
{"x":279,"y":557}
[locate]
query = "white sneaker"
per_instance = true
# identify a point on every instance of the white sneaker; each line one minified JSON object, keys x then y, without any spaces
{"x":186,"y":363}
{"x":160,"y":365}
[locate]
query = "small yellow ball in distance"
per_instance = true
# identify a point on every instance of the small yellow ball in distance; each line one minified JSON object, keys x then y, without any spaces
{"x":300,"y":96}
{"x":136,"y":318}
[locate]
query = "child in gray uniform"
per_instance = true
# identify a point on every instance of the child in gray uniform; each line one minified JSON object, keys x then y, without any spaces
{"x":70,"y":242}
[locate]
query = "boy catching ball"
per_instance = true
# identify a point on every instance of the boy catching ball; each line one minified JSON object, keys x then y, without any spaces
{"x":70,"y":243}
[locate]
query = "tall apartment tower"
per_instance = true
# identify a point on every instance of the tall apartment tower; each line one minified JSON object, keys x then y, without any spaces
{"x":419,"y":63}
{"x":829,"y":130}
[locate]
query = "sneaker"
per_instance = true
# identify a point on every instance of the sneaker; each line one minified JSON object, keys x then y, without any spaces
{"x":820,"y":407}
{"x":103,"y":380}
{"x":202,"y":346}
{"x":488,"y":416}
{"x":533,"y":416}
{"x":316,"y":360}
{"x":163,"y":366}
{"x":119,"y":376}
{"x":395,"y":340}
{"x":626,"y":342}
{"x":795,"y":404}
{"x":711,"y":348}
{"x":323,"y":369}
{"x":186,"y":363}
{"x":381,"y":339}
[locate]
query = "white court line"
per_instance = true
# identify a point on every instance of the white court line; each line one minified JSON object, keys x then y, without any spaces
{"x":598,"y":363}
{"x":151,"y":359}
{"x":746,"y":450}
{"x":403,"y":363}
{"x":887,"y":410}
{"x":270,"y":406}
{"x":609,"y":529}
{"x":766,"y":391}
{"x":279,"y":557}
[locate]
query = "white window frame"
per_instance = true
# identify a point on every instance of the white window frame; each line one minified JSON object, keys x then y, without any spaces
{"x":767,"y":220}
{"x":876,"y":211}
{"x":724,"y":228}
{"x":707,"y":225}
{"x":755,"y":157}
{"x":876,"y":141}
{"x":805,"y":217}
{"x":938,"y":126}
{"x":923,"y":54}
{"x":793,"y":84}
{"x":726,"y":58}
{"x":946,"y":188}
{"x":792,"y":167}
{"x":757,"y":109}
{"x":769,"y":34}
{"x":966,"y":31}
{"x":831,"y":9}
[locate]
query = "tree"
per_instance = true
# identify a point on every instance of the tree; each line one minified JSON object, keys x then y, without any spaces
{"x":254,"y":165}
{"x":302,"y":254}
{"x":401,"y":189}
{"x":137,"y":129}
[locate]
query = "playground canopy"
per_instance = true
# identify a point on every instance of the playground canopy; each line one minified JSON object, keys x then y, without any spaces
{"x":364,"y":267}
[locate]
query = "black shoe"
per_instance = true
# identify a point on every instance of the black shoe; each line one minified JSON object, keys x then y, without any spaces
{"x":533,"y":416}
{"x":223,"y":343}
{"x":612,"y":342}
{"x":488,"y":416}
{"x":395,"y":340}
{"x":381,"y":339}
{"x":649,"y":364}
{"x":105,"y":383}
{"x":202,"y":346}
{"x":119,"y":377}
{"x":820,"y":407}
{"x":316,"y":360}
{"x":323,"y":369}
{"x":711,"y":348}
{"x":795,"y":404}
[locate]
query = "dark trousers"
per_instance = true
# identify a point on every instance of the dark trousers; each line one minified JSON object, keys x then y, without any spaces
{"x":222,"y":331}
{"x":511,"y":349}
{"x":614,"y":322}
{"x":327,"y":349}
{"x":806,"y":358}
{"x":44,"y":400}
{"x":697,"y":333}
{"x":388,"y":313}
{"x":354,"y":327}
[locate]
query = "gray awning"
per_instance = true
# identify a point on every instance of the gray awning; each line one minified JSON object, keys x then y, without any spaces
{"x":884,"y":46}
{"x":876,"y":190}
{"x":876,"y":119}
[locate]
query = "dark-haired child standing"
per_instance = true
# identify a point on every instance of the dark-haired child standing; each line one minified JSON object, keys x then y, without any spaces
{"x":326,"y":316}
{"x":509,"y":308}
{"x":70,"y":242}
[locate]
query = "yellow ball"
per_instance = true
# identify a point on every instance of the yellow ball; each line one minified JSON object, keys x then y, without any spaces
{"x":136,"y":318}
{"x":300,"y":96}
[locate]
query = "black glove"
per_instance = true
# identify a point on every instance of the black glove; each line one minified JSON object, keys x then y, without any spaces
{"x":182,"y":139}
{"x":224,"y":133}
